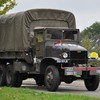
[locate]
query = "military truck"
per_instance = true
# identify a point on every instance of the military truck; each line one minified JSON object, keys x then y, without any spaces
{"x":43,"y":44}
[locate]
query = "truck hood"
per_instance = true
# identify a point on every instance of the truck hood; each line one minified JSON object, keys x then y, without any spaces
{"x":70,"y":47}
{"x":63,"y":45}
{"x":73,"y":47}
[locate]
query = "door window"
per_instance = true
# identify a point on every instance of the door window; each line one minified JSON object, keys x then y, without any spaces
{"x":39,"y":44}
{"x":39,"y":37}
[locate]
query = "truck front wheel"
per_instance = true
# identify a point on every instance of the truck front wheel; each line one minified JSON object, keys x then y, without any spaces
{"x":92,"y":82}
{"x":2,"y":75}
{"x":13,"y":79}
{"x":52,"y":78}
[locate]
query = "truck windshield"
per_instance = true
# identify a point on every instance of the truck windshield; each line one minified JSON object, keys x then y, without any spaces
{"x":70,"y":35}
{"x":62,"y":34}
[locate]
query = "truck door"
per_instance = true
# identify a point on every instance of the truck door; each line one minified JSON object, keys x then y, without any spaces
{"x":39,"y":50}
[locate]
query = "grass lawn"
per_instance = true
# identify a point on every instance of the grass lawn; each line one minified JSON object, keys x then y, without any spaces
{"x":28,"y":94}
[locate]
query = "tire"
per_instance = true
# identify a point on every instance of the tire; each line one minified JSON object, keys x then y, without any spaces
{"x":92,"y":82}
{"x":40,"y":81}
{"x":13,"y":79}
{"x":52,"y":78}
{"x":2,"y":75}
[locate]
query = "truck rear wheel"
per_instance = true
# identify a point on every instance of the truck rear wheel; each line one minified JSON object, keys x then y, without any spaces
{"x":92,"y":82}
{"x":13,"y":79}
{"x":2,"y":75}
{"x":52,"y":78}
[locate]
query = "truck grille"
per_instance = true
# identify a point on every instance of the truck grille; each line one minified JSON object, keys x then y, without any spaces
{"x":78,"y":55}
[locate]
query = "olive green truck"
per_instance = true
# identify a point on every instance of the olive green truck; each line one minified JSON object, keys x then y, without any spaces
{"x":43,"y":44}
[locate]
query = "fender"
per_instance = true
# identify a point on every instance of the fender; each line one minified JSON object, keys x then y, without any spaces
{"x":52,"y":58}
{"x":47,"y":61}
{"x":57,"y":60}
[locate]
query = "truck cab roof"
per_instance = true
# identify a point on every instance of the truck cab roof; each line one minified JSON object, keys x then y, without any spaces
{"x":36,"y":28}
{"x":59,"y":28}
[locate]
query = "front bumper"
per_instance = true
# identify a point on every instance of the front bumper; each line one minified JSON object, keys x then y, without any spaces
{"x":94,"y":62}
{"x":79,"y":70}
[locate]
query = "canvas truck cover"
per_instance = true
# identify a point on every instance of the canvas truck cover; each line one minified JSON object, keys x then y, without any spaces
{"x":15,"y":28}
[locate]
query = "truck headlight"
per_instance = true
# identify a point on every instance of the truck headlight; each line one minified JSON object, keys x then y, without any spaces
{"x":65,"y":55}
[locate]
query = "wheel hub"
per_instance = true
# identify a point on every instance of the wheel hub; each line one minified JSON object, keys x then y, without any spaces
{"x":49,"y":77}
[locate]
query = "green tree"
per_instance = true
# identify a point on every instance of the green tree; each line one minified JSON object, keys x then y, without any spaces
{"x":96,"y":48}
{"x":91,"y":31}
{"x":89,"y":36}
{"x":6,"y":5}
{"x":86,"y":42}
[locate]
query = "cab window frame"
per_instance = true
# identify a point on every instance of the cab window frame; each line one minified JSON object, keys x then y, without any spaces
{"x":37,"y":38}
{"x":62,"y":38}
{"x":52,"y":38}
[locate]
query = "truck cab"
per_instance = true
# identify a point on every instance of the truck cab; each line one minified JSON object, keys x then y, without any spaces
{"x":60,"y":45}
{"x":59,"y":57}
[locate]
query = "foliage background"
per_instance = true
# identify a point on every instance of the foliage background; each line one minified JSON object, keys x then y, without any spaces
{"x":6,"y":5}
{"x":90,"y":37}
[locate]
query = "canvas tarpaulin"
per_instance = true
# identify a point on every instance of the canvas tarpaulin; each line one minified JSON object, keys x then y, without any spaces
{"x":15,"y":28}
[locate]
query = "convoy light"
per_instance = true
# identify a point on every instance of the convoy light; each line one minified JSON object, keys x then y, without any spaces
{"x":65,"y":55}
{"x":94,"y":55}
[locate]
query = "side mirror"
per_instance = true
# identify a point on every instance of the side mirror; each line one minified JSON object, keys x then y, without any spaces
{"x":31,"y":34}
